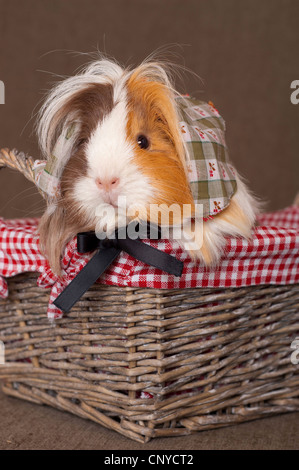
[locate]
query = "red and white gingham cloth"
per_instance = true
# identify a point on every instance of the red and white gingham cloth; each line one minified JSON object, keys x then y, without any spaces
{"x":271,"y":257}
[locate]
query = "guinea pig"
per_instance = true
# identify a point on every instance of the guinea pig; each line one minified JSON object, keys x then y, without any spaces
{"x":111,"y":134}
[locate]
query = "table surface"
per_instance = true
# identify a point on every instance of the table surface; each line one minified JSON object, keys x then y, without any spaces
{"x":27,"y":426}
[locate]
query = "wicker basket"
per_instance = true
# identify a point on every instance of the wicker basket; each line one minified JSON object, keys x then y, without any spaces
{"x":150,"y":363}
{"x":154,"y":362}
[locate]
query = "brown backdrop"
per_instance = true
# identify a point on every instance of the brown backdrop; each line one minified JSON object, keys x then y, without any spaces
{"x":244,"y":50}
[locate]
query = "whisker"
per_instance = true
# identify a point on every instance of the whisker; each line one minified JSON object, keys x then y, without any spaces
{"x":18,"y":195}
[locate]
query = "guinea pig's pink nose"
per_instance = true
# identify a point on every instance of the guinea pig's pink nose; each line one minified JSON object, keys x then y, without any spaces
{"x":107,"y":184}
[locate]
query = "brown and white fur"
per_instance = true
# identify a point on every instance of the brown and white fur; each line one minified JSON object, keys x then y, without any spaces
{"x":113,"y":106}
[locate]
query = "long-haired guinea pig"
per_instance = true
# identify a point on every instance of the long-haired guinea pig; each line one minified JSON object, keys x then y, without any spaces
{"x":126,"y":142}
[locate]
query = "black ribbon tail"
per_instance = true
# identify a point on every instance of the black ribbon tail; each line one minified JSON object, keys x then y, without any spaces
{"x":151,"y":256}
{"x":86,"y":278}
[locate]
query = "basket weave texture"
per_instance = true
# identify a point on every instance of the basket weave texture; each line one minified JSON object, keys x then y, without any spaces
{"x":154,"y":362}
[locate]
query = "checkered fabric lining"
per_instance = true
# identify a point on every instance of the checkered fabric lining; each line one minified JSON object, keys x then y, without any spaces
{"x":271,"y":257}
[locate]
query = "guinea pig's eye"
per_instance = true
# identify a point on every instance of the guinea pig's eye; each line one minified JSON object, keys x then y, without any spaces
{"x":143,"y":141}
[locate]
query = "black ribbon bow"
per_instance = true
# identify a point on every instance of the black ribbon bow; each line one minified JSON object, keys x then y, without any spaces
{"x":107,"y":251}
